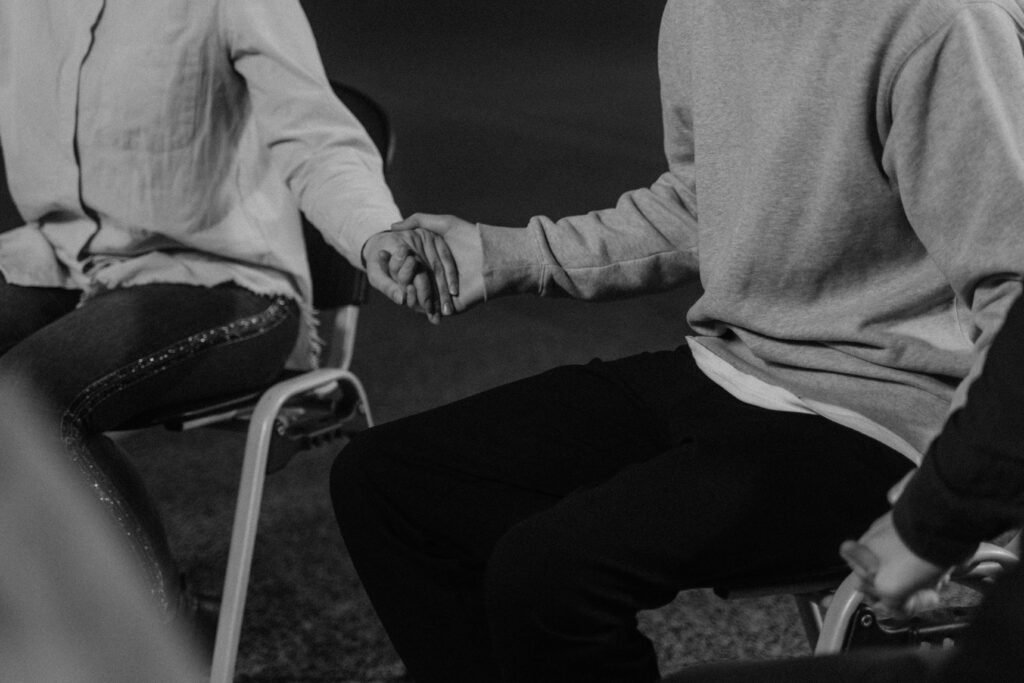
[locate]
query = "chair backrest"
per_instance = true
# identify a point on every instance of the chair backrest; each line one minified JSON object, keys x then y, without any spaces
{"x":339,"y":287}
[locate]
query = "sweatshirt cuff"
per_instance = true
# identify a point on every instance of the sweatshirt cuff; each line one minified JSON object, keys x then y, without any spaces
{"x":512,"y":261}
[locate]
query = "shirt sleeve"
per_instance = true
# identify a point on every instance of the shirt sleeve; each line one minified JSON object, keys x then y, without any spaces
{"x":327,"y":159}
{"x":647,"y":242}
{"x":970,"y":486}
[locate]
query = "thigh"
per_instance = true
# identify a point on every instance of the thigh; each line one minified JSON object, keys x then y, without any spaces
{"x":559,"y":430}
{"x":774,"y":494}
{"x":24,"y":310}
{"x":509,"y":452}
{"x":643,"y":457}
{"x":142,"y":347}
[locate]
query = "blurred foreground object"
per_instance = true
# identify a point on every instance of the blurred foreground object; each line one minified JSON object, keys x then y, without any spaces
{"x":72,"y":607}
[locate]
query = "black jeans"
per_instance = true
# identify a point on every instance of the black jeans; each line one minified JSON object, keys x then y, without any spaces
{"x":90,"y":368}
{"x":515,"y":534}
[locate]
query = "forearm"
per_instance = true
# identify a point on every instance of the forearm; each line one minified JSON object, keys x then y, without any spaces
{"x":970,"y":486}
{"x":648,"y":242}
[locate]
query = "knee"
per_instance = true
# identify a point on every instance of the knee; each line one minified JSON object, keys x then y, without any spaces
{"x":362,"y":471}
{"x":16,"y":375}
{"x":27,"y":385}
{"x":535,"y":575}
{"x":349,"y":470}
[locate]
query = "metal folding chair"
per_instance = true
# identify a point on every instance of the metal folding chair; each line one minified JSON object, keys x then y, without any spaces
{"x":300,"y":411}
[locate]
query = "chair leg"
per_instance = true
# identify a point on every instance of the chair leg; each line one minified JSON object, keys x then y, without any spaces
{"x":364,"y":401}
{"x":840,"y":611}
{"x":247,"y":509}
{"x":243,"y":538}
{"x":808,"y":605}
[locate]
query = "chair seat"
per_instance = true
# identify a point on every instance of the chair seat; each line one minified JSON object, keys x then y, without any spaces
{"x":209,"y":410}
{"x":308,"y":421}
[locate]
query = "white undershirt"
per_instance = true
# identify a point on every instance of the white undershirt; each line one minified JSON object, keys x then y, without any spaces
{"x":754,"y":391}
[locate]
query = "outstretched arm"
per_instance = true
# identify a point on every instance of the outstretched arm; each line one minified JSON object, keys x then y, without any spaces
{"x":969,"y":488}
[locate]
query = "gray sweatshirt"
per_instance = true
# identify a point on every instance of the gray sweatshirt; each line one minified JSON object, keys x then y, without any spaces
{"x":845,"y":177}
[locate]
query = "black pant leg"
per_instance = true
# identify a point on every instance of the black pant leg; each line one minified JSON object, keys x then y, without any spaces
{"x":521,"y":529}
{"x":421,"y":501}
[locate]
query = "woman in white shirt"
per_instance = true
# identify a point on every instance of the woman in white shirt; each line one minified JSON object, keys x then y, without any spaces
{"x":159,"y":154}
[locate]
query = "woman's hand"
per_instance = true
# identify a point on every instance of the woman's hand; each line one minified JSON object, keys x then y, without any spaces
{"x":414,"y":268}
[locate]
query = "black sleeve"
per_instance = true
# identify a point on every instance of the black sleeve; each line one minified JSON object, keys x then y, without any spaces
{"x":970,"y":486}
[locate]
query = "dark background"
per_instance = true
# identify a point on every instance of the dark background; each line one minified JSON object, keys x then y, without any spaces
{"x":502,"y":111}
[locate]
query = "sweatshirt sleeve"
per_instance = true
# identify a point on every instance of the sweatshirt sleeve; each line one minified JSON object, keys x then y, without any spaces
{"x":970,"y":486}
{"x":646,"y":242}
{"x":327,"y":158}
{"x":955,"y":152}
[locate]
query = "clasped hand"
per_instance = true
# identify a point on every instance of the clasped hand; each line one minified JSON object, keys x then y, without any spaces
{"x":413,"y":265}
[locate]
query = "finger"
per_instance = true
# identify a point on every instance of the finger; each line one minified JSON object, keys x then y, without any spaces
{"x":410,"y":297}
{"x":377,"y":274}
{"x":425,"y":294}
{"x":406,"y":270}
{"x":442,"y":288}
{"x":407,"y":223}
{"x":399,"y":260}
{"x":922,"y":601}
{"x":428,"y":221}
{"x":451,"y":268}
{"x":861,"y":560}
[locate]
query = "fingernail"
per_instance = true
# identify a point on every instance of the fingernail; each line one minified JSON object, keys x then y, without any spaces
{"x":397,"y":298}
{"x":446,"y":308}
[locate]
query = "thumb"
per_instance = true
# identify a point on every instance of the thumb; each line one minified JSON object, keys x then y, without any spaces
{"x":377,"y":274}
{"x":407,"y":223}
{"x":862,"y":561}
{"x":429,"y":221}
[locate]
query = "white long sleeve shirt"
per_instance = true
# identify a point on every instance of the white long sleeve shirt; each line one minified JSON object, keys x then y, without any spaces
{"x":171,"y":141}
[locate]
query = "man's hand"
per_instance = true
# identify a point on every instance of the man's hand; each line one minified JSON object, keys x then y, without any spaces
{"x":414,"y":269}
{"x":895,"y":582}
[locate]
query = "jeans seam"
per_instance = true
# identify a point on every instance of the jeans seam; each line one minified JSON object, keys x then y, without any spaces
{"x":152,"y":364}
{"x":138,"y":370}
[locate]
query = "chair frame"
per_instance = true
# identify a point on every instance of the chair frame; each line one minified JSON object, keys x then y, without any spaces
{"x":263,"y":425}
{"x":247,"y":507}
{"x":268,"y":433}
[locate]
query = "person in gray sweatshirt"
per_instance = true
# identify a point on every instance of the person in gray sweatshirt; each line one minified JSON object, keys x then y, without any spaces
{"x":969,"y":489}
{"x":846,"y":180}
